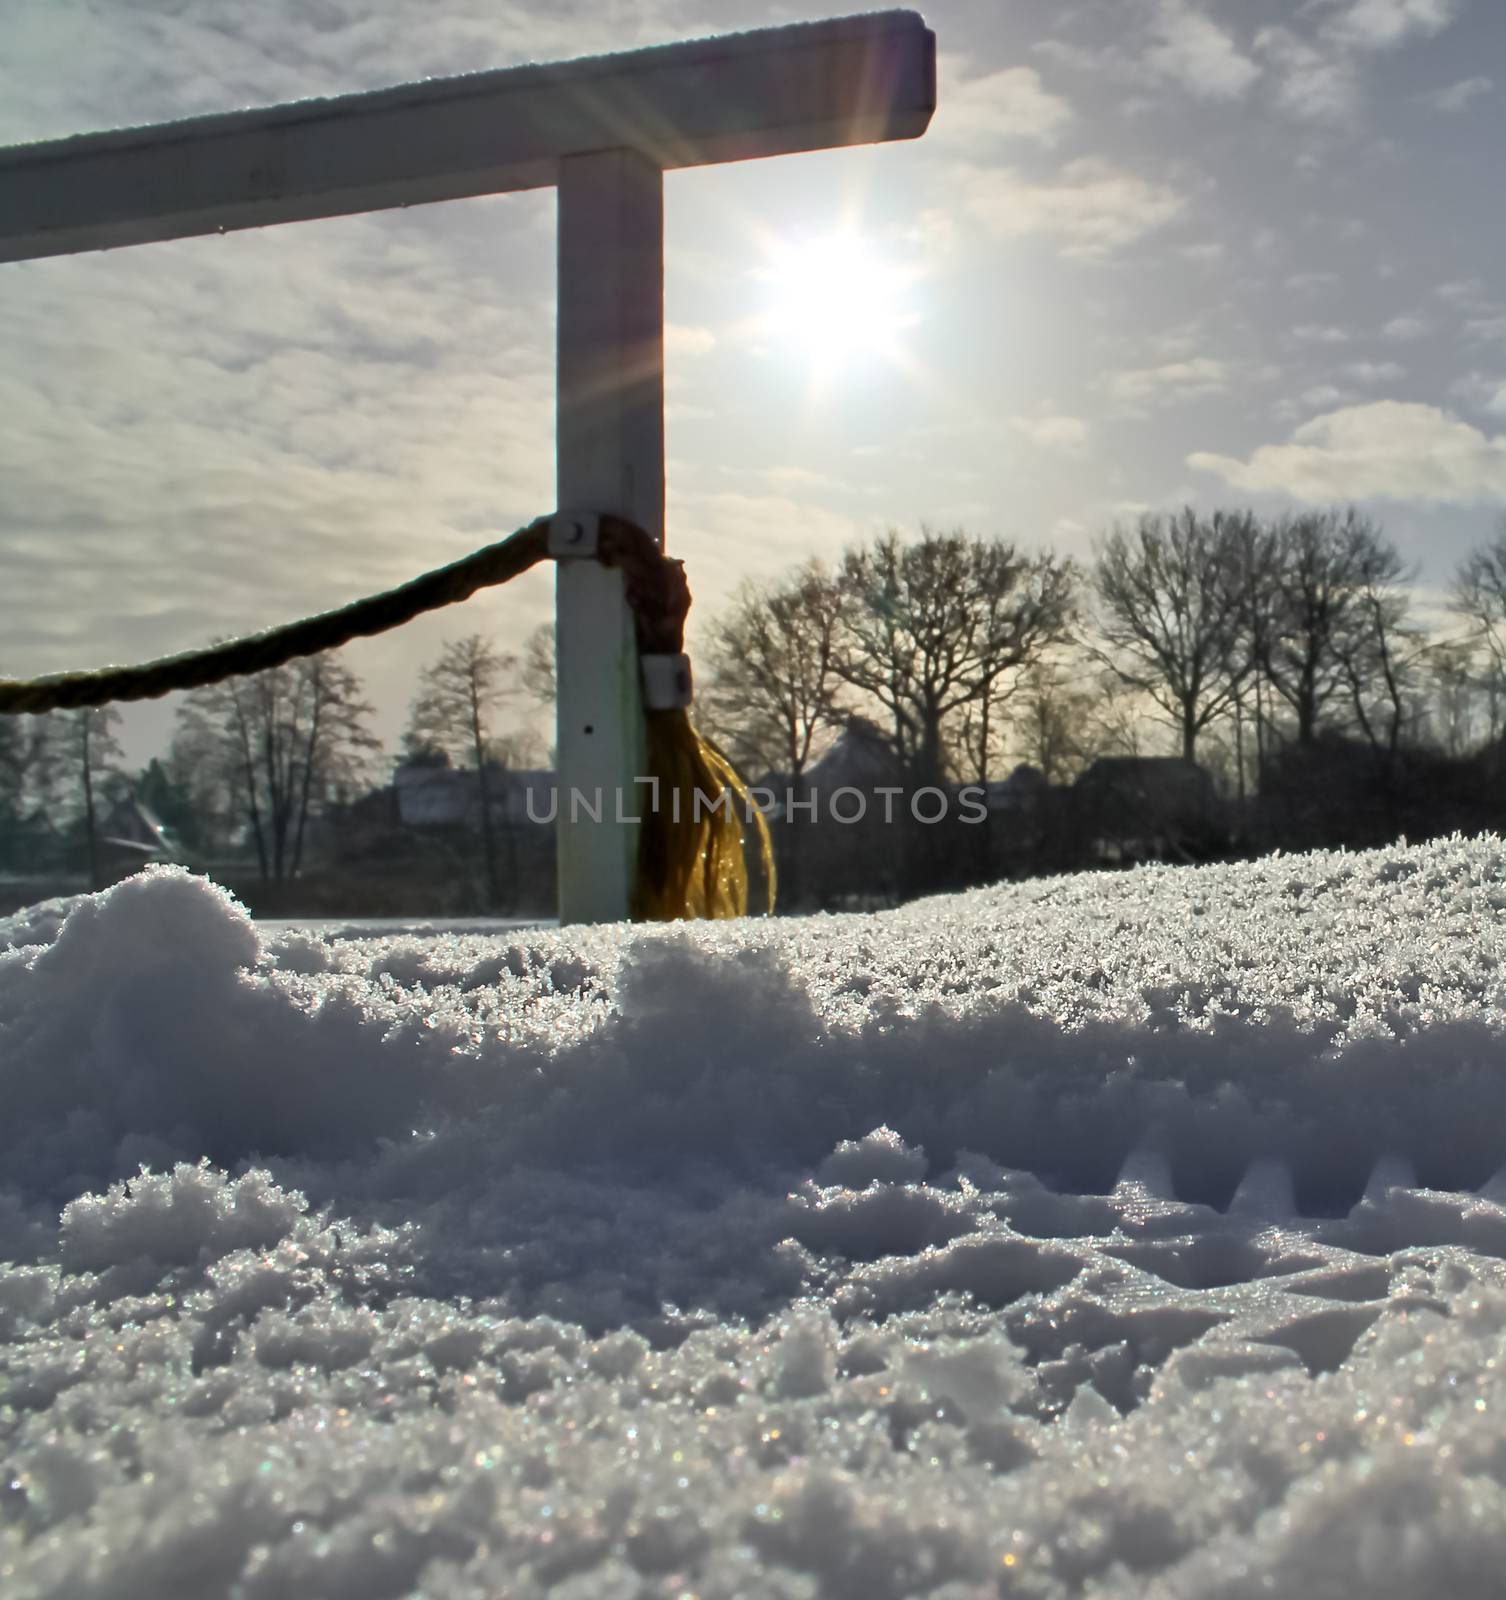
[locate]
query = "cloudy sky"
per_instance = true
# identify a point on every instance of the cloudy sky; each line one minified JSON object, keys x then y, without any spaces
{"x":1151,"y":251}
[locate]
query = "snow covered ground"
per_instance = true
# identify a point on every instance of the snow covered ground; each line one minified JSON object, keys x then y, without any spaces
{"x":1118,"y":1235}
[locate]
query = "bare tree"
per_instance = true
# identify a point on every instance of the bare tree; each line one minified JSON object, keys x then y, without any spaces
{"x":274,"y":744}
{"x":1256,"y":551}
{"x":1169,"y":605}
{"x":771,"y":667}
{"x":1050,"y":722}
{"x":1323,"y":562}
{"x":93,"y":748}
{"x":1453,"y":698}
{"x":1019,"y":622}
{"x":28,"y":780}
{"x":1479,"y":599}
{"x":537,"y":667}
{"x":979,"y":735}
{"x":935,"y":626}
{"x":455,"y":711}
{"x":771,"y":681}
{"x":1117,"y":718}
{"x":1380,"y":652}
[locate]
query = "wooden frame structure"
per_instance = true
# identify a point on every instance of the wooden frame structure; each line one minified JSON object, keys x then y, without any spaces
{"x":603,"y":131}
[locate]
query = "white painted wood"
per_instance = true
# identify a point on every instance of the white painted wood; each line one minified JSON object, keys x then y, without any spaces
{"x":610,"y":457}
{"x":856,"y":80}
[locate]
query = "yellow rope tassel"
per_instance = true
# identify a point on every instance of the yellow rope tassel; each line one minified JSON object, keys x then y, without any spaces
{"x":691,"y":856}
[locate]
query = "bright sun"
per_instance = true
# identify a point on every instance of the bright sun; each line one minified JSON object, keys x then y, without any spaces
{"x":836,"y":300}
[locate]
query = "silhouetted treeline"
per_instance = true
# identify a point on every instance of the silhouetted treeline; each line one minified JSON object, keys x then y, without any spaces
{"x":1207,"y":684}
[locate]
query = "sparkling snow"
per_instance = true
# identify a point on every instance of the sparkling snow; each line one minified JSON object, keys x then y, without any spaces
{"x":1134,"y":1234}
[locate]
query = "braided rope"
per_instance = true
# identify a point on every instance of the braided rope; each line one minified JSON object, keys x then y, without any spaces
{"x":193,"y":669}
{"x":691,"y":865}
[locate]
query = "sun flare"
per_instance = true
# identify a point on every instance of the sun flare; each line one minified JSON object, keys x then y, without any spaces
{"x":836,"y":301}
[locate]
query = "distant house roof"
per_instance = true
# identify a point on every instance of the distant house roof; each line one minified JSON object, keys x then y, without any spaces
{"x":1148,"y":773}
{"x":860,"y":756}
{"x":1026,"y":786}
{"x":132,"y":825}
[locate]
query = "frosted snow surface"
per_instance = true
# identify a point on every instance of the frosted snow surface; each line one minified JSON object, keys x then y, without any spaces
{"x":1120,"y":1235}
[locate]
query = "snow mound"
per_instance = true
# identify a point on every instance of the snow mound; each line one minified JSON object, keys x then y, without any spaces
{"x":191,"y":1214}
{"x":1111,"y":1235}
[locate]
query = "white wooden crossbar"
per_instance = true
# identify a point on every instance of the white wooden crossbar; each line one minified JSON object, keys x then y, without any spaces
{"x":603,"y":131}
{"x":773,"y":92}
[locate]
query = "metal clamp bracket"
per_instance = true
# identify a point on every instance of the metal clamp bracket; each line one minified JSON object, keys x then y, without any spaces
{"x":666,"y":681}
{"x":574,"y":533}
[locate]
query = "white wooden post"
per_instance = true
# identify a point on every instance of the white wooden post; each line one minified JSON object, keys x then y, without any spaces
{"x":609,"y":444}
{"x":603,"y":130}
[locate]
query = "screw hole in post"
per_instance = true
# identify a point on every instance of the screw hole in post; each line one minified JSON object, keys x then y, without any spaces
{"x":589,"y":728}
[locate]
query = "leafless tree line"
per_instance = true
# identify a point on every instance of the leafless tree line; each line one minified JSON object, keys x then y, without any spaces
{"x":269,"y":749}
{"x":926,"y":639}
{"x":1237,"y":634}
{"x":67,"y":753}
{"x":264,"y":754}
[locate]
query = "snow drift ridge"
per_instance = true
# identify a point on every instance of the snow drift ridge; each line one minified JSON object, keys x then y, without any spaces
{"x":1332,"y":1011}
